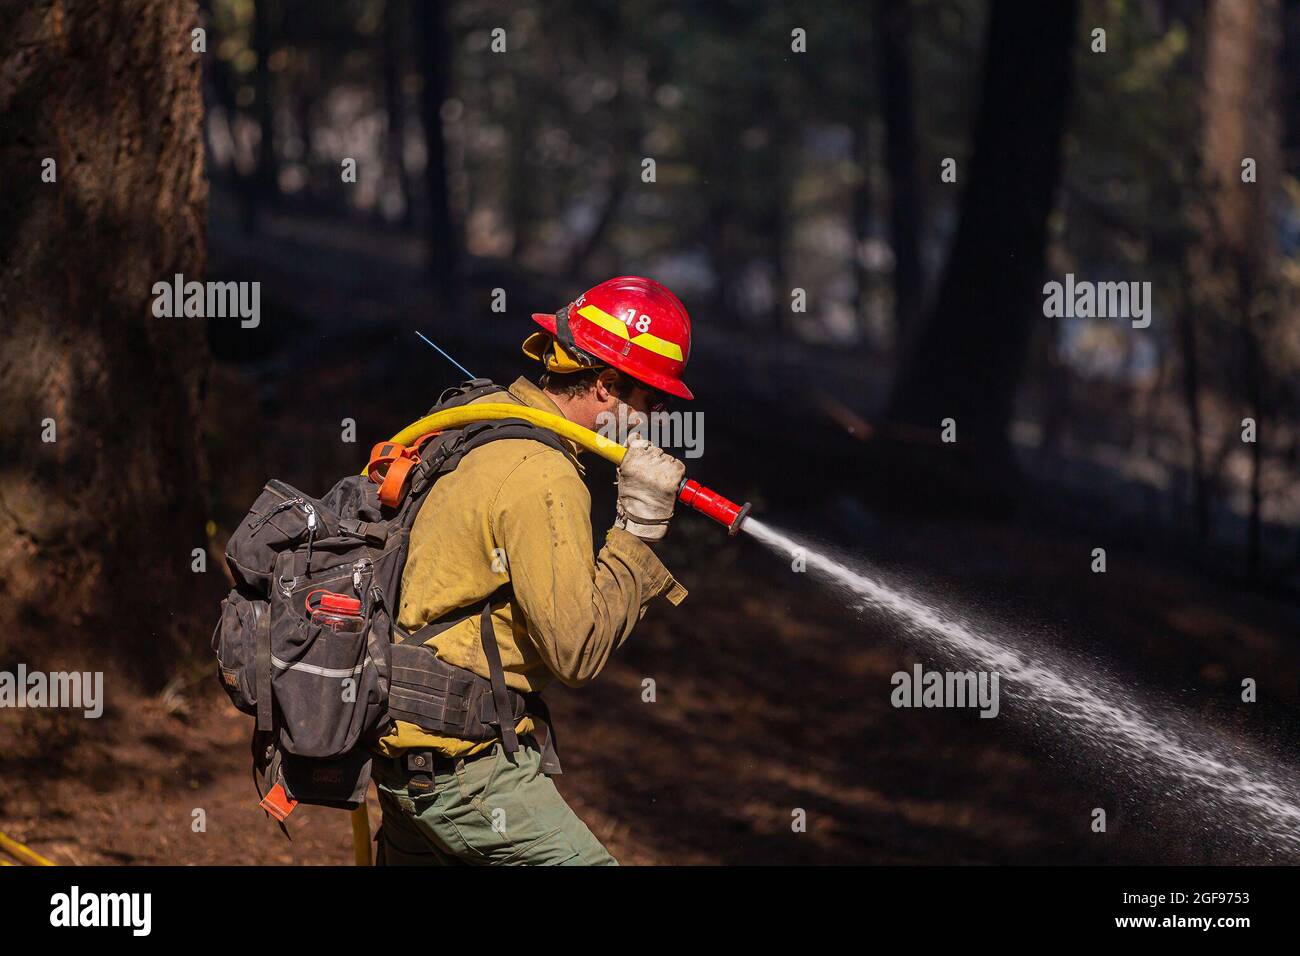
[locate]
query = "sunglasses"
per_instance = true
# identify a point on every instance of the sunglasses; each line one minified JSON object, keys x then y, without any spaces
{"x":656,"y":401}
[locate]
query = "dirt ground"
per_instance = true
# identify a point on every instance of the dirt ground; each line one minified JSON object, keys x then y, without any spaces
{"x":769,"y":699}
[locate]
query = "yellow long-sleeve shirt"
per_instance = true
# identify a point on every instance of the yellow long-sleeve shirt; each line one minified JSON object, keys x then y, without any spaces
{"x":516,"y":511}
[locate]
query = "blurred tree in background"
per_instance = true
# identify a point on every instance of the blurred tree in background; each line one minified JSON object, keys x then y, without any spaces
{"x":969,"y":355}
{"x":779,"y":163}
{"x":378,"y":164}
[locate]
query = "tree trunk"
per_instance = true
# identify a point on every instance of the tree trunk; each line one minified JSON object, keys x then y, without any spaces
{"x":623,"y":167}
{"x":774,"y":225}
{"x":1192,"y":401}
{"x":900,"y":162}
{"x":1241,"y":121}
{"x":97,"y":527}
{"x":1252,"y":374}
{"x":720,"y":238}
{"x":862,"y":229}
{"x":968,"y":358}
{"x":396,"y":17}
{"x":222,"y":88}
{"x":444,"y":243}
{"x":267,"y":176}
{"x":523,"y":199}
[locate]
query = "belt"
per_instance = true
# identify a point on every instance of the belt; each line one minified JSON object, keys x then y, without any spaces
{"x":421,"y":766}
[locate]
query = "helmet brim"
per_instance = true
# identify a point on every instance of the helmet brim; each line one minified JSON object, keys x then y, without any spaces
{"x":664,"y":383}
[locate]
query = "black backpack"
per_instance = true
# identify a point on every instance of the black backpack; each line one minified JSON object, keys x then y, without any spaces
{"x":323,"y":692}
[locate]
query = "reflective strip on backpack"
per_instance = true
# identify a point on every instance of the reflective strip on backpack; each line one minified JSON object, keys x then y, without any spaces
{"x":335,"y":672}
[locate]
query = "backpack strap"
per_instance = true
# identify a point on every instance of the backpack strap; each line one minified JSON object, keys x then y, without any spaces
{"x":444,"y":455}
{"x":500,"y":700}
{"x":262,"y":668}
{"x":418,"y":682}
{"x":544,"y":731}
{"x":452,"y":446}
{"x":467,"y":392}
{"x":480,"y":433}
{"x":266,"y":767}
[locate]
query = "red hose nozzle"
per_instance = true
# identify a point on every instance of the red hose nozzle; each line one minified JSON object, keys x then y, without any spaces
{"x":712,"y":504}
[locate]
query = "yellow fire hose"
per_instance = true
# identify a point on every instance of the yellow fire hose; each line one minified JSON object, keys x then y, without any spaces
{"x":21,"y":853}
{"x":488,"y":411}
{"x":707,"y":502}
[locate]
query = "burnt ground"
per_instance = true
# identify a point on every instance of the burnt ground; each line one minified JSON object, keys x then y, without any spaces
{"x":770,"y":695}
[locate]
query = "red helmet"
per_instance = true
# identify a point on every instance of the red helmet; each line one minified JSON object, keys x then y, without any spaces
{"x":632,"y":324}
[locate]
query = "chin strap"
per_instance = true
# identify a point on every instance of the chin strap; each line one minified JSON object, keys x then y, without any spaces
{"x":564,"y":334}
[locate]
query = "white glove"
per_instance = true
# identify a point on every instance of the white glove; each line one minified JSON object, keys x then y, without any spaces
{"x":647,"y":489}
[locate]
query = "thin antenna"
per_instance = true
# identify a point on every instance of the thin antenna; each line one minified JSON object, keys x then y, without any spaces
{"x":445,"y":355}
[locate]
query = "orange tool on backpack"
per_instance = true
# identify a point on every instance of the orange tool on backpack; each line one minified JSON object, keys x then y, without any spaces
{"x":390,"y":468}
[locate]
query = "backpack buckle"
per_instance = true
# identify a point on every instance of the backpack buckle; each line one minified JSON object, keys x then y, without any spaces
{"x":370,"y":532}
{"x":278,"y":803}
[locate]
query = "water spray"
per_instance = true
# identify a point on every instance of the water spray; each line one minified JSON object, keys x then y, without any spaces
{"x":1209,"y":771}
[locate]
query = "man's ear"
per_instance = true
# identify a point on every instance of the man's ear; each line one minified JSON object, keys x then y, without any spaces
{"x":604,"y":386}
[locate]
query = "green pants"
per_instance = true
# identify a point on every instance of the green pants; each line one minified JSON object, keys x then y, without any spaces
{"x":496,"y":809}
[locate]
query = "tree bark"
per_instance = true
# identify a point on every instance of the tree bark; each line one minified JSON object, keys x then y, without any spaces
{"x":395,"y":20}
{"x":444,"y":242}
{"x":267,"y":176}
{"x":968,"y":358}
{"x":97,"y":527}
{"x":1240,"y":120}
{"x":900,"y":163}
{"x":623,"y":167}
{"x":1187,"y":342}
{"x":862,"y":229}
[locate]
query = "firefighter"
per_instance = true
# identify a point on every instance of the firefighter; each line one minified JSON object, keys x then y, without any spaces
{"x":511,"y":526}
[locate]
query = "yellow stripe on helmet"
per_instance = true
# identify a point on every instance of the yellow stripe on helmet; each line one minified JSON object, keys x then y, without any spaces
{"x":652,"y":343}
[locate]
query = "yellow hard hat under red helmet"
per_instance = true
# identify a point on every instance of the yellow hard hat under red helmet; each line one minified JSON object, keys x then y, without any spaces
{"x":630,"y":323}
